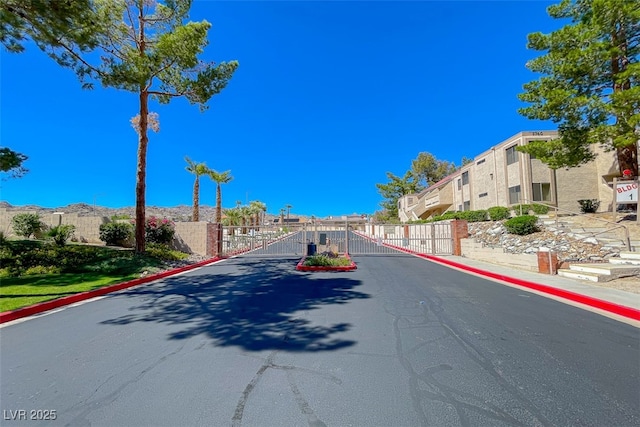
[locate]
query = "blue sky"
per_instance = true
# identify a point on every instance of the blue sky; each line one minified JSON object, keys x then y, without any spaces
{"x":328,"y":97}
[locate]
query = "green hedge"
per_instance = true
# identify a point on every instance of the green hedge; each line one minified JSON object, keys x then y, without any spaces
{"x":498,"y":213}
{"x":474,"y":216}
{"x":495,"y":213}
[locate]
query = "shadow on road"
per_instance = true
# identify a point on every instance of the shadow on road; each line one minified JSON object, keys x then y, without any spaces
{"x":255,"y":304}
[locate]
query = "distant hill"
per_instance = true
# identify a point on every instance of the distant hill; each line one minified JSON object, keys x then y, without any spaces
{"x":176,"y":213}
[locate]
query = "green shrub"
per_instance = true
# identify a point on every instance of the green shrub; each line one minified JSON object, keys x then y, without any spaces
{"x":26,"y":224}
{"x":445,"y":216}
{"x":164,"y":252}
{"x":159,"y":230}
{"x":116,"y":233}
{"x":326,"y":261}
{"x":3,"y":239}
{"x":589,"y":205}
{"x":539,"y":209}
{"x":498,"y":213}
{"x":522,"y":209}
{"x":61,"y":233}
{"x":473,"y":216}
{"x":522,"y":225}
{"x":21,"y":257}
{"x":40,"y":269}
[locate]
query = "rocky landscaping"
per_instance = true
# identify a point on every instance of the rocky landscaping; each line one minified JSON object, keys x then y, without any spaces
{"x":571,"y":247}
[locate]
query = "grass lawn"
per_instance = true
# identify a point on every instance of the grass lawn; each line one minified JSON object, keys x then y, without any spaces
{"x":16,"y":292}
{"x":33,"y":272}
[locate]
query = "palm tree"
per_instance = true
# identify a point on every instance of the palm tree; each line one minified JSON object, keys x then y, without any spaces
{"x":245,"y":214}
{"x":197,"y":169}
{"x":219,"y":178}
{"x":257,"y":207}
{"x":233,"y":218}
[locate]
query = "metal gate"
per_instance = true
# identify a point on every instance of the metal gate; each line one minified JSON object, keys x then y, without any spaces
{"x":434,"y":238}
{"x":356,"y":239}
{"x":267,"y":240}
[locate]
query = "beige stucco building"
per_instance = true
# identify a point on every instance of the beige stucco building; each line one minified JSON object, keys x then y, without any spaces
{"x":504,"y":176}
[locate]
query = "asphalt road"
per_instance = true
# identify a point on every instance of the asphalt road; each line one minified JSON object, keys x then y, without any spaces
{"x":252,"y":342}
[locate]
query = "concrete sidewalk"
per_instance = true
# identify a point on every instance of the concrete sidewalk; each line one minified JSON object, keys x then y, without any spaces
{"x":562,"y":284}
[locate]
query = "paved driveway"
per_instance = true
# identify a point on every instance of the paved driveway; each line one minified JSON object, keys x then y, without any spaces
{"x":250,"y":341}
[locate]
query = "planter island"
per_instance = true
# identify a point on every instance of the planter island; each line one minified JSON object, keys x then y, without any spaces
{"x":326,"y":261}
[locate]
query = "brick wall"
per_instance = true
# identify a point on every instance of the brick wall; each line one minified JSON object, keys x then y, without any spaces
{"x":459,"y":231}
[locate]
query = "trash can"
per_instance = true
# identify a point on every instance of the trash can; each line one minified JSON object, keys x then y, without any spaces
{"x":311,"y":249}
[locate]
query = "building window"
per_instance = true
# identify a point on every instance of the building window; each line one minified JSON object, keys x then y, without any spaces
{"x":482,"y":195}
{"x":459,"y":208}
{"x":541,"y":191}
{"x":480,"y":162}
{"x":459,"y":184}
{"x":465,"y":178}
{"x":514,"y":195}
{"x":512,"y":155}
{"x":466,"y":206}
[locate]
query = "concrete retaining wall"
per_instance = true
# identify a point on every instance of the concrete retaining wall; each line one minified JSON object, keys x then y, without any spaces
{"x":477,"y":250}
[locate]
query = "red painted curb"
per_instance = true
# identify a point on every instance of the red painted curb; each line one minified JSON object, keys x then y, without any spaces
{"x":301,"y":267}
{"x":621,"y":310}
{"x":618,"y":309}
{"x":19,"y":313}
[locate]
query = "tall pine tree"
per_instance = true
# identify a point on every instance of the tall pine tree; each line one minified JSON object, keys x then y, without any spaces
{"x":589,"y":83}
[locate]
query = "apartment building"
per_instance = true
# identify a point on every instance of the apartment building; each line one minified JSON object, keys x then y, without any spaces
{"x":504,"y":176}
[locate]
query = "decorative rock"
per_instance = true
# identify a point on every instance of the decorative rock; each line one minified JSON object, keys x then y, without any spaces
{"x":569,"y":246}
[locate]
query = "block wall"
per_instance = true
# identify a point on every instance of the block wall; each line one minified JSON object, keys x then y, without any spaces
{"x":87,"y":227}
{"x":576,"y":184}
{"x":194,"y":237}
{"x":191,"y":237}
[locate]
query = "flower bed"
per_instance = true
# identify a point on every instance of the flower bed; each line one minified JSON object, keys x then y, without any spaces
{"x":326,"y":262}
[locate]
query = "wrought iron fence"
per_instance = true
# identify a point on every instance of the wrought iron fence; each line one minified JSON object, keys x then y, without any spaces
{"x":299,"y":240}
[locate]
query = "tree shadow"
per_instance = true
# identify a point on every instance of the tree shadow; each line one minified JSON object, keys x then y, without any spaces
{"x":253,"y":303}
